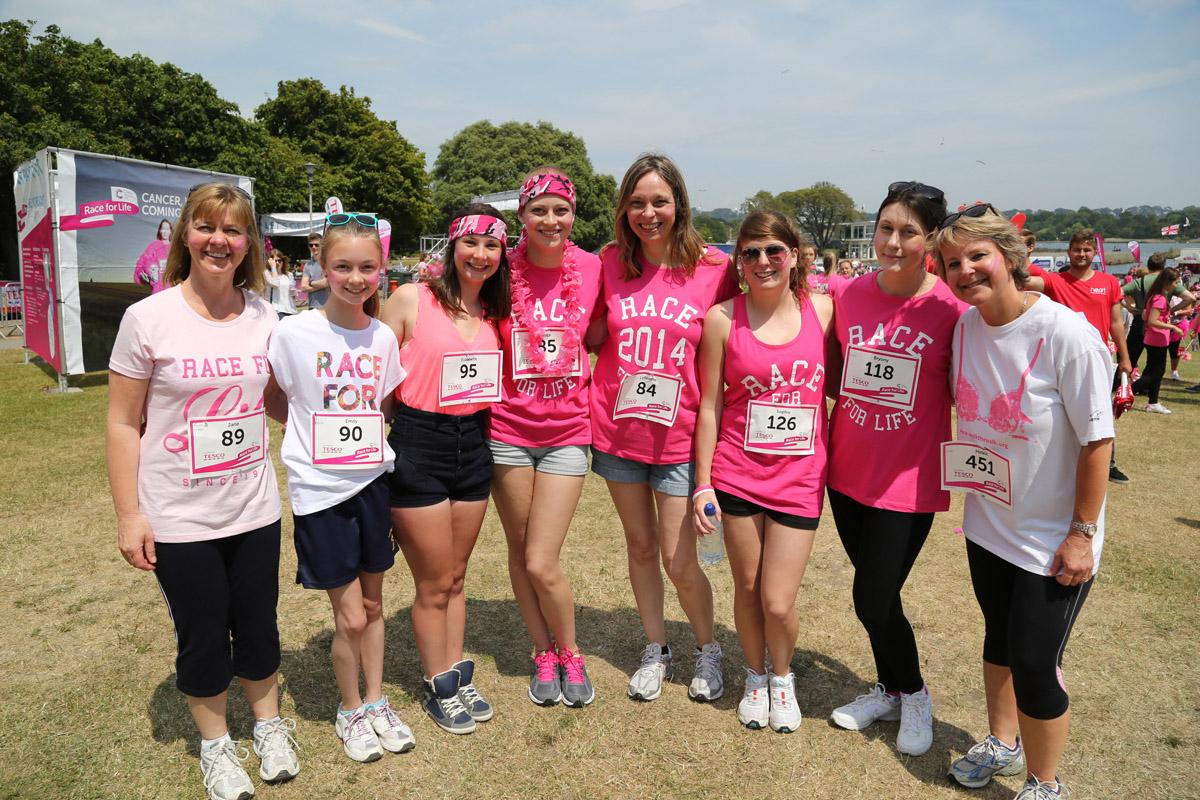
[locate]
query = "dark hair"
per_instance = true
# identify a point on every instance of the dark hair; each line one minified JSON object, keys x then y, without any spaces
{"x":1029,"y":237}
{"x":314,"y":237}
{"x":1165,"y":278}
{"x":767,"y":224}
{"x":926,"y":203}
{"x":210,"y":202}
{"x":1085,"y":236}
{"x":495,"y":294}
{"x":1156,"y":262}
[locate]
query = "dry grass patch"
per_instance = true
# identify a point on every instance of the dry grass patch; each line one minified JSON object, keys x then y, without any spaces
{"x":91,"y":710}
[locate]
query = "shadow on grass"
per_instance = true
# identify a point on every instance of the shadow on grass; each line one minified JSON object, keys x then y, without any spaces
{"x":1191,"y":523}
{"x":170,"y":720}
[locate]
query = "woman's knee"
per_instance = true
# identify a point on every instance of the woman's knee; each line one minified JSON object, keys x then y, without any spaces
{"x":544,"y":573}
{"x":780,"y":610}
{"x":352,"y":622}
{"x":435,"y":592}
{"x":372,"y":608}
{"x":683,"y":572}
{"x":642,"y":547}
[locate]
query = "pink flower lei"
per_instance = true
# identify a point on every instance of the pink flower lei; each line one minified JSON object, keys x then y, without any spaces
{"x":523,"y":305}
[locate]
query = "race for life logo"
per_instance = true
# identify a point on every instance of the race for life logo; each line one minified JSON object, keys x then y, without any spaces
{"x":102,"y":213}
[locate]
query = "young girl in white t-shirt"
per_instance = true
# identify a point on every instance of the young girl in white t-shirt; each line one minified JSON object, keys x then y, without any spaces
{"x":338,"y":366}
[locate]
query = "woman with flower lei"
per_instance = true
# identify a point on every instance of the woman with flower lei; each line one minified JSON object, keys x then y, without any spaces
{"x":541,"y":432}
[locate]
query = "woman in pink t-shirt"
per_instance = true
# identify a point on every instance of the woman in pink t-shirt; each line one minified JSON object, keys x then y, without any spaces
{"x":540,"y":432}
{"x":450,"y":352}
{"x":152,"y":262}
{"x":894,"y":330}
{"x":658,"y":281}
{"x":195,"y":493}
{"x":1157,"y":338}
{"x":762,"y":380}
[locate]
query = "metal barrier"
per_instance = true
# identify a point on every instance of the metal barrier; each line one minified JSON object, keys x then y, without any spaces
{"x":12,"y":312}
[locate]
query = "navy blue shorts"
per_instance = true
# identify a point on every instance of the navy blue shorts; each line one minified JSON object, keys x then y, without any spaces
{"x":439,"y":457}
{"x":335,"y":544}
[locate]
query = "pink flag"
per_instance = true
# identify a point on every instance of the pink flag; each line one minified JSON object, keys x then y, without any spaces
{"x":385,"y":238}
{"x":1135,"y":250}
{"x":1100,"y":252}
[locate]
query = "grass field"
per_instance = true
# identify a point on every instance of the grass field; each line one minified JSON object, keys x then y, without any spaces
{"x":90,"y":709}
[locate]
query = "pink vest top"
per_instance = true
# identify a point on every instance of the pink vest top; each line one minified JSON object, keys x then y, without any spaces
{"x":776,"y":379}
{"x":434,"y":335}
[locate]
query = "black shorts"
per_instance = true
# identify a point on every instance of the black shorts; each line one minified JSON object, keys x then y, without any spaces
{"x":221,"y":594}
{"x":334,"y":544}
{"x":740,"y":507}
{"x":439,"y":457}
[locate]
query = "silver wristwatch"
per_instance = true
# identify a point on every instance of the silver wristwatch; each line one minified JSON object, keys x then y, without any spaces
{"x":1088,"y":529}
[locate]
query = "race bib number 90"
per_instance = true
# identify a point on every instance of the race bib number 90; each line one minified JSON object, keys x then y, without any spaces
{"x":347,"y":441}
{"x":224,"y":445}
{"x":884,"y":378}
{"x":470,"y":377}
{"x":648,"y":396}
{"x":978,"y":470}
{"x":780,"y":430}
{"x":551,"y":346}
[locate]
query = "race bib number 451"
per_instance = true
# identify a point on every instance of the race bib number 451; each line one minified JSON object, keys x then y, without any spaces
{"x":881,"y":377}
{"x":978,"y":470}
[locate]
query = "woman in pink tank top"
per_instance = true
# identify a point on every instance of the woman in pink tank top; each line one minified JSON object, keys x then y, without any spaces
{"x":762,"y":375}
{"x":450,"y":350}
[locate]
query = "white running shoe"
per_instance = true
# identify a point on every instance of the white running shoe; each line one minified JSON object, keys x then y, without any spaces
{"x":916,"y":723}
{"x":785,"y":711}
{"x":1157,"y":408}
{"x":707,"y":685}
{"x":754,"y":709}
{"x":276,"y":747}
{"x":866,"y":709}
{"x":358,"y":737}
{"x":646,"y":683}
{"x":224,"y":776}
{"x":1175,"y":376}
{"x":394,"y":736}
{"x":1037,"y":790}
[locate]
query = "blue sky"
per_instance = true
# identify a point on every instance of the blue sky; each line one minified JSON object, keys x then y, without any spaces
{"x":1024,"y":104}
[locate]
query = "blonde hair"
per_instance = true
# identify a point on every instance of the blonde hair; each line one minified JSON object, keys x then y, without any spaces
{"x":999,"y":230}
{"x":212,"y":201}
{"x":353,"y":230}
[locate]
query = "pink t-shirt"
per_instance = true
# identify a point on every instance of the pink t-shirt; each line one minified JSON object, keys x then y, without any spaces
{"x":548,"y":411}
{"x":893,"y":410}
{"x":792,"y":377}
{"x":818,"y":282}
{"x":1157,"y":337}
{"x":423,"y":357}
{"x":151,"y":264}
{"x":645,"y":392}
{"x":206,"y":383}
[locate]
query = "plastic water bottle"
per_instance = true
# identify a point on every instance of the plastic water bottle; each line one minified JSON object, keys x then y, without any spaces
{"x":711,"y":548}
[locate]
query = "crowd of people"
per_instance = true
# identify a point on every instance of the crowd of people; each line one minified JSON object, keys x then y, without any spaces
{"x":705,"y":408}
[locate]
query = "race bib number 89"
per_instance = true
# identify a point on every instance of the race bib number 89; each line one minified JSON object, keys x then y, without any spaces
{"x":224,"y":445}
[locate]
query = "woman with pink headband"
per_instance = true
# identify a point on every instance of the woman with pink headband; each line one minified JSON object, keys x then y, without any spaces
{"x":541,"y":431}
{"x":450,"y":351}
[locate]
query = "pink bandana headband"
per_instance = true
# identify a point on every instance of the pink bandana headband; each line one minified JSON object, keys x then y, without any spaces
{"x":548,"y":183}
{"x":479,"y":225}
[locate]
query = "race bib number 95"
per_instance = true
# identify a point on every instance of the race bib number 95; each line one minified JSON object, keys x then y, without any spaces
{"x":470,"y":377}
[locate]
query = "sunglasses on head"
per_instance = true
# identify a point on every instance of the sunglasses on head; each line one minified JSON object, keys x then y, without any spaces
{"x":975,"y":211}
{"x":775,"y":253}
{"x":917,"y":188}
{"x":366,"y":220}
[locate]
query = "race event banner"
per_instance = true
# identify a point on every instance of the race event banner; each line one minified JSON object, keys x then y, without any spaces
{"x":115,"y":217}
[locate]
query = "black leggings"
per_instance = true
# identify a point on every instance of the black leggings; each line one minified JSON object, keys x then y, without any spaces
{"x":882,"y":546}
{"x":1156,"y":367}
{"x":1133,"y":339}
{"x":1027,"y":619}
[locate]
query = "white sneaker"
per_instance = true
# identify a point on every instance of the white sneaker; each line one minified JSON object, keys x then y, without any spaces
{"x":867,"y":708}
{"x":358,"y":737}
{"x":224,"y":777}
{"x":754,"y":709}
{"x":1175,"y":376}
{"x":1157,"y":408}
{"x":916,"y":723}
{"x":646,"y":683}
{"x":394,"y":736}
{"x":707,"y":685}
{"x":785,"y":712}
{"x":276,"y":748}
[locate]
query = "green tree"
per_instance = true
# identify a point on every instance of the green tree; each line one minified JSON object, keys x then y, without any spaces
{"x":484,"y":158}
{"x":762,"y":199}
{"x":819,"y":211}
{"x":712,"y":228}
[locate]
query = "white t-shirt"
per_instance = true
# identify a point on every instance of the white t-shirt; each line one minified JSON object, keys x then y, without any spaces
{"x":335,"y":380}
{"x":281,"y":291}
{"x":1034,"y":391}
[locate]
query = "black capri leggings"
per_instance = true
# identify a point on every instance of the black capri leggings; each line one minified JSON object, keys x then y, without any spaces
{"x":883,"y":546}
{"x":1027,"y":619}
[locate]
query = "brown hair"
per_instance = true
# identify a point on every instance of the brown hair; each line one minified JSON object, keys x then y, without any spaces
{"x":353,"y":230}
{"x":686,"y":247}
{"x":1001,"y":231}
{"x":1085,"y":236}
{"x":767,"y":224}
{"x":495,"y":294}
{"x":211,"y":202}
{"x":1165,"y":278}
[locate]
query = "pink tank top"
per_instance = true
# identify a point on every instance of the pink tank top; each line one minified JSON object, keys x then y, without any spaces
{"x":772,"y":442}
{"x":434,"y":336}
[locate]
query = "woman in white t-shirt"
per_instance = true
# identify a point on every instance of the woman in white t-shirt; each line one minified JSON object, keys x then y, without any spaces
{"x":1031,"y":383}
{"x":282,"y":285}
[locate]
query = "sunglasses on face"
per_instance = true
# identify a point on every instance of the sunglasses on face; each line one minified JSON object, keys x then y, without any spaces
{"x":366,"y":220}
{"x":775,"y":254}
{"x":974,"y":212}
{"x":917,"y":188}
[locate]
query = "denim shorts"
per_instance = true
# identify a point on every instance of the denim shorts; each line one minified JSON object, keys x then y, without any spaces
{"x":438,"y":457}
{"x":675,"y":480}
{"x":567,"y":459}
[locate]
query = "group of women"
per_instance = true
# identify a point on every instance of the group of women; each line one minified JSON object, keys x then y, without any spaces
{"x":709,"y":388}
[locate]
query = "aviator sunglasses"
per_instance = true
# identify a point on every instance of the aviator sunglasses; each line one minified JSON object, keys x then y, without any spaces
{"x":775,"y":254}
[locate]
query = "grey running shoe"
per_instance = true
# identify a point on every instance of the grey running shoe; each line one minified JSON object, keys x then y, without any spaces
{"x":754,"y":709}
{"x":916,"y":723}
{"x":224,"y":777}
{"x":577,"y":689}
{"x":358,"y":737}
{"x":1037,"y":790}
{"x":646,"y":683}
{"x":275,"y":746}
{"x":865,"y":709}
{"x":545,"y":689}
{"x":707,"y":685}
{"x":475,"y":704}
{"x":442,"y":705}
{"x":987,"y":758}
{"x":394,"y":735}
